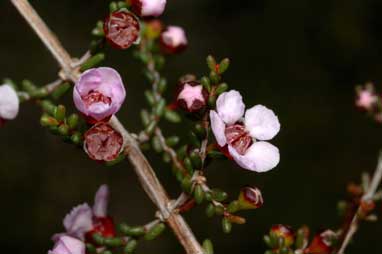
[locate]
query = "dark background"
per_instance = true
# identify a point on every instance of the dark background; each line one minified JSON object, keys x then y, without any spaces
{"x":302,"y":58}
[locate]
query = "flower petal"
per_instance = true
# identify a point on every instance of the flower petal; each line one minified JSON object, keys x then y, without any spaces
{"x":218,"y":128}
{"x":101,"y":201}
{"x":79,"y":221}
{"x":230,"y":107}
{"x":261,"y":122}
{"x":9,"y":102}
{"x":68,"y":245}
{"x":260,"y":157}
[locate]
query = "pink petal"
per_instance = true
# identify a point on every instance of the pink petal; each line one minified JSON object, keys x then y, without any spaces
{"x":9,"y":102}
{"x":230,"y":107}
{"x":218,"y":128}
{"x":261,"y":122}
{"x":101,"y":201}
{"x":174,"y":36}
{"x":260,"y":157}
{"x":79,"y":221}
{"x":152,"y":7}
{"x":68,"y":245}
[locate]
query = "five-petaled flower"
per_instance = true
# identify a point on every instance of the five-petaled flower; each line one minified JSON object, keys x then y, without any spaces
{"x":99,"y":93}
{"x":240,"y":130}
{"x":366,"y":97}
{"x":122,"y":29}
{"x":9,"y":103}
{"x":173,"y":40}
{"x":148,"y":8}
{"x":83,"y":221}
{"x":68,"y":245}
{"x":191,"y":96}
{"x":102,"y":142}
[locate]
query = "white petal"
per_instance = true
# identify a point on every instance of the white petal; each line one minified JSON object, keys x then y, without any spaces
{"x":261,"y":122}
{"x":79,"y":220}
{"x":100,"y":201}
{"x":9,"y":102}
{"x":218,"y":128}
{"x":230,"y":107}
{"x":260,"y":157}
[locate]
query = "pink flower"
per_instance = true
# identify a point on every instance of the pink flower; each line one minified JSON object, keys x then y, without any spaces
{"x":99,"y":93}
{"x":192,"y":97}
{"x":366,"y":98}
{"x":149,"y":8}
{"x":68,"y":245}
{"x":9,"y":102}
{"x":103,"y":143}
{"x":240,"y":130}
{"x":83,"y":221}
{"x":173,"y":40}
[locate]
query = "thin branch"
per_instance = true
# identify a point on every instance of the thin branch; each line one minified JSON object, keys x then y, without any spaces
{"x":353,"y":227}
{"x":146,"y":174}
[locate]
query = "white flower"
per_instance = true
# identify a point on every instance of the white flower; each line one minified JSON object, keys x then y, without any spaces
{"x":241,"y":134}
{"x":9,"y":102}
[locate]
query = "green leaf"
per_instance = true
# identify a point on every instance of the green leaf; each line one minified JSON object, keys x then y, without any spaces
{"x":92,"y":62}
{"x":226,"y":225}
{"x":199,"y":194}
{"x":208,"y":247}
{"x":172,"y":116}
{"x":223,"y":66}
{"x":155,"y":232}
{"x":211,"y":62}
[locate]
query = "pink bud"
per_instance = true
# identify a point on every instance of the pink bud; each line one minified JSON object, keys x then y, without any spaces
{"x":148,"y":8}
{"x":173,"y":40}
{"x":9,"y":103}
{"x":250,"y":198}
{"x":366,"y":99}
{"x":68,"y":245}
{"x":192,"y":97}
{"x":99,"y":93}
{"x":103,"y":143}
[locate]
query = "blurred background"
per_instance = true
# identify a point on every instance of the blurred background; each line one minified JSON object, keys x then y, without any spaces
{"x":301,"y":58}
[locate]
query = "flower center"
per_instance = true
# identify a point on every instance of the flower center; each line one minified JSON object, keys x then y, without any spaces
{"x":238,"y":138}
{"x":94,"y":97}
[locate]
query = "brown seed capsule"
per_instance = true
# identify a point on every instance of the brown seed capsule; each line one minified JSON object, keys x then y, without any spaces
{"x":191,"y":96}
{"x":102,"y":142}
{"x":250,"y":198}
{"x":121,"y":29}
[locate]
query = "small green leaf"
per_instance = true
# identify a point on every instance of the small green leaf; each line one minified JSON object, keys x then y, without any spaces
{"x":226,"y":225}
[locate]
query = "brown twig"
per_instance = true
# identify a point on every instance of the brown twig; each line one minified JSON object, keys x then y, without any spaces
{"x":354,"y":224}
{"x":146,"y":175}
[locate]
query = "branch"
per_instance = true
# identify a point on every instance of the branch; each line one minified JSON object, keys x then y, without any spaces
{"x":143,"y":169}
{"x":353,"y":227}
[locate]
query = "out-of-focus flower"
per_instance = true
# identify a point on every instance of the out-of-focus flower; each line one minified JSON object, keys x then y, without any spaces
{"x":9,"y":102}
{"x":322,"y":243}
{"x":83,"y":221}
{"x":68,"y":245}
{"x":148,"y":8}
{"x":153,"y":28}
{"x":99,"y":93}
{"x":122,"y":29}
{"x":103,"y":143}
{"x":250,"y":198}
{"x":191,"y":96}
{"x":366,"y":97}
{"x":173,"y":40}
{"x":284,"y":232}
{"x":241,"y":134}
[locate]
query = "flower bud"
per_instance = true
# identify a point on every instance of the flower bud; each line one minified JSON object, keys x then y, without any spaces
{"x":250,"y":198}
{"x":99,"y":93}
{"x":148,"y":8}
{"x":153,"y":28}
{"x":103,"y":143}
{"x":322,"y":243}
{"x":366,"y":97}
{"x":9,"y":102}
{"x":191,"y":96}
{"x":284,"y":232}
{"x":68,"y":245}
{"x":173,"y":40}
{"x":103,"y":226}
{"x":121,"y":29}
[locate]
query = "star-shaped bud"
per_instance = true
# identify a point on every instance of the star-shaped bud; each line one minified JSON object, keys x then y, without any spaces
{"x":192,"y":97}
